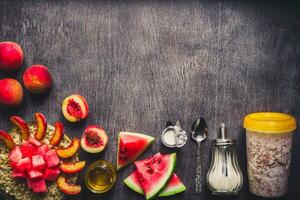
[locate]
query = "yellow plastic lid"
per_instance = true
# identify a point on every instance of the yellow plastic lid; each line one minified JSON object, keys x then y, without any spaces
{"x":270,"y":122}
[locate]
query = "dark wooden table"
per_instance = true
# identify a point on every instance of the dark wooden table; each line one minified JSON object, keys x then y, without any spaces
{"x":141,"y":63}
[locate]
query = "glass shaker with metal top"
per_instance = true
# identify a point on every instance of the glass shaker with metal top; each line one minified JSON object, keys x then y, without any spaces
{"x":224,"y":175}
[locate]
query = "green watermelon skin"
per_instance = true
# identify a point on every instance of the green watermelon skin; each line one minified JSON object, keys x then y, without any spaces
{"x":131,"y":146}
{"x":174,"y":186}
{"x":155,"y":172}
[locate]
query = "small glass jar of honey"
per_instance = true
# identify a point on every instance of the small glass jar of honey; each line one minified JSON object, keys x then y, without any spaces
{"x":100,"y":176}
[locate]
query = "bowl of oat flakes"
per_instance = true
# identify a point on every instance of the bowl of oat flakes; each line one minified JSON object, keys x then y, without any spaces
{"x":12,"y":188}
{"x":269,"y":139}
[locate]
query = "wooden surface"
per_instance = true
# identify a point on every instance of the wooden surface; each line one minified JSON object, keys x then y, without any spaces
{"x":141,"y":63}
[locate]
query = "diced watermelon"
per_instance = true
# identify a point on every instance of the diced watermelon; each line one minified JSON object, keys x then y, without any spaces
{"x":38,"y":186}
{"x":51,"y":174}
{"x":51,"y":158}
{"x":15,"y":155}
{"x":34,"y":142}
{"x":38,"y":162}
{"x":23,"y":164}
{"x":34,"y":174}
{"x":42,"y":150}
{"x":27,"y":149}
{"x":18,"y":174}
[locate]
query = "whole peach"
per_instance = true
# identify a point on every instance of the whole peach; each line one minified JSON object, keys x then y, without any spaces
{"x":37,"y":79}
{"x":11,"y":56}
{"x":11,"y":92}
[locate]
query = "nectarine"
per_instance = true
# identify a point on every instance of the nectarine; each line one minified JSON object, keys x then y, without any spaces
{"x":37,"y":79}
{"x":75,"y":108}
{"x":11,"y":92}
{"x":11,"y":56}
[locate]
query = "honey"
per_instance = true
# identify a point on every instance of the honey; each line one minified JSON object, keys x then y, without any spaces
{"x":100,"y":176}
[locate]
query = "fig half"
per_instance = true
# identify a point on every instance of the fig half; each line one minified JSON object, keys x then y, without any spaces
{"x":94,"y":139}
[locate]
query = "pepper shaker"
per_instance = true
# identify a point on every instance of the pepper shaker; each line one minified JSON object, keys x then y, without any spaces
{"x":224,"y":175}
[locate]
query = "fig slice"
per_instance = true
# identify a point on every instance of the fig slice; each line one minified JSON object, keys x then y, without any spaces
{"x":70,"y":150}
{"x":41,"y":126}
{"x":94,"y":139}
{"x":7,"y":139}
{"x":71,"y":168}
{"x":58,"y":134}
{"x":75,"y":108}
{"x":66,"y":187}
{"x":22,"y":125}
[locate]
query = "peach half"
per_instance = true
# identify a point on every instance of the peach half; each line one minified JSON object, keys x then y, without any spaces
{"x":75,"y":108}
{"x":7,"y":139}
{"x":66,"y":187}
{"x":70,"y":150}
{"x":58,"y":134}
{"x":22,"y":125}
{"x":41,"y":126}
{"x":11,"y":56}
{"x":37,"y":79}
{"x":71,"y":168}
{"x":11,"y":92}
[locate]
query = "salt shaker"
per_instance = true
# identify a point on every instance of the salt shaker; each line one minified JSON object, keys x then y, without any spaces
{"x":224,"y":175}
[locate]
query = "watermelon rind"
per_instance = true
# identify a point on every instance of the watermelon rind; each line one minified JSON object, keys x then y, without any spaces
{"x":140,"y":135}
{"x":167,"y":191}
{"x":165,"y":179}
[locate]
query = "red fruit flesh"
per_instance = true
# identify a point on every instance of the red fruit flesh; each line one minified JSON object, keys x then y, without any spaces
{"x":34,"y":142}
{"x":51,"y":158}
{"x":94,"y":139}
{"x":38,"y":162}
{"x":42,"y":150}
{"x":7,"y":139}
{"x":35,"y":174}
{"x":22,"y":125}
{"x":75,"y":108}
{"x":23,"y":164}
{"x":11,"y":56}
{"x":38,"y":186}
{"x":58,"y":134}
{"x":18,"y":174}
{"x":27,"y":149}
{"x":15,"y":155}
{"x":51,"y":174}
{"x":41,"y":126}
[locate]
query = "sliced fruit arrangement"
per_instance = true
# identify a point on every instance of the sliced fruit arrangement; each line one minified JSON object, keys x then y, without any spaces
{"x":66,"y":187}
{"x":70,"y":150}
{"x":41,"y":126}
{"x":75,"y":108}
{"x":131,"y":146}
{"x":153,"y":176}
{"x":94,"y":139}
{"x":58,"y":134}
{"x":7,"y":139}
{"x":71,"y":168}
{"x":173,"y":187}
{"x":22,"y":125}
{"x":36,"y":161}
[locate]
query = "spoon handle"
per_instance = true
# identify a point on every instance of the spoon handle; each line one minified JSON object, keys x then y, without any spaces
{"x":199,"y":177}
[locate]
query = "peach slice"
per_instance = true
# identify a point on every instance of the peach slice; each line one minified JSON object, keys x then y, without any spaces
{"x":71,"y":168}
{"x":41,"y":126}
{"x":21,"y":124}
{"x":66,"y":187}
{"x":70,"y":150}
{"x":58,"y":134}
{"x":75,"y":108}
{"x":7,"y":139}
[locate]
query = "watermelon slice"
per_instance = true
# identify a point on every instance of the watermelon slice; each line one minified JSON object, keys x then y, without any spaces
{"x":131,"y":146}
{"x":174,"y":186}
{"x":155,"y":172}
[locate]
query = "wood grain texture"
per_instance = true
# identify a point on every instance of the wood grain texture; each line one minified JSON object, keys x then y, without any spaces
{"x":141,"y":63}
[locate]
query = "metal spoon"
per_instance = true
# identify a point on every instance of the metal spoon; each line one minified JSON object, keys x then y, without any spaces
{"x":199,"y":134}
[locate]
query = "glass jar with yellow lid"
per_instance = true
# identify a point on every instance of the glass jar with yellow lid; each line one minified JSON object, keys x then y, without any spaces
{"x":269,"y":139}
